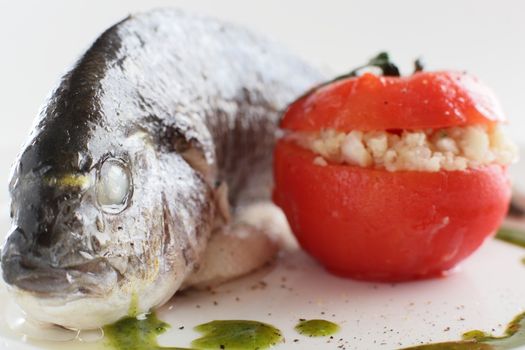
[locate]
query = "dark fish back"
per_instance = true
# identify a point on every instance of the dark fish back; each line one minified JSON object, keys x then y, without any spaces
{"x":191,"y":81}
{"x":215,"y":86}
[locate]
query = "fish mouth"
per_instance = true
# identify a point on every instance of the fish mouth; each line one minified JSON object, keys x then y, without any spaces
{"x":25,"y":274}
{"x":30,"y":274}
{"x":85,"y":295}
{"x":34,"y":273}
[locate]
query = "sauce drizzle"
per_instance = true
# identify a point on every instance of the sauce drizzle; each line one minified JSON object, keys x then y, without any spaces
{"x":237,"y":335}
{"x":141,"y":333}
{"x":513,"y":337}
{"x":132,"y":333}
{"x":316,"y":328}
{"x":511,"y":235}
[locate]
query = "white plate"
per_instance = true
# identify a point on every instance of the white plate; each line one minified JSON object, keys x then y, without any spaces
{"x":485,"y":293}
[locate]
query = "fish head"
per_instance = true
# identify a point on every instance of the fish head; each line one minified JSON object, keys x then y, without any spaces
{"x":54,"y":210}
{"x":93,"y":225}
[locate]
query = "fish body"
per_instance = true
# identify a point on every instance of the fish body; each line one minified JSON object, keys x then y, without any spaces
{"x":148,"y":144}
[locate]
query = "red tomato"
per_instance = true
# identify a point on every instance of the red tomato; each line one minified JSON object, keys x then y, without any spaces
{"x":422,"y":100}
{"x":373,"y":224}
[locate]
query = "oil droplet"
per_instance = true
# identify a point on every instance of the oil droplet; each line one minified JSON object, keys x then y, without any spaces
{"x":237,"y":335}
{"x":317,"y":328}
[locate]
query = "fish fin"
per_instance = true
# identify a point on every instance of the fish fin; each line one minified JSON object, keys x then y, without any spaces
{"x":223,"y":205}
{"x":234,"y":250}
{"x":190,"y":139}
{"x":193,"y":151}
{"x":197,"y":160}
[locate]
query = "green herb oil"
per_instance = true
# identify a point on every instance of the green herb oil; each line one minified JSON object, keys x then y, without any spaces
{"x":136,"y":334}
{"x":132,"y":333}
{"x":316,"y":328}
{"x":511,"y":236}
{"x":513,"y":337}
{"x":236,"y":335}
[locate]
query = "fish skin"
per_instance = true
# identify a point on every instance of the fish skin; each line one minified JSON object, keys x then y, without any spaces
{"x":189,"y":105}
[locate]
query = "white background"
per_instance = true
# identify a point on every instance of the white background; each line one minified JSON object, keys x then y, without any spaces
{"x":40,"y":39}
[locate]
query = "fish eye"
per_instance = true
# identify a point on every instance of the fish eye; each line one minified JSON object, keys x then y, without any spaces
{"x":113,"y":187}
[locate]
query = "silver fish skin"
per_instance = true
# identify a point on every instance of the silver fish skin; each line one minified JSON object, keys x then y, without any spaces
{"x":116,"y":192}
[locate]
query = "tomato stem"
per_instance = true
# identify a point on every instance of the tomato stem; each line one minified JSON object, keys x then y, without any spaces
{"x":381,"y":61}
{"x":419,"y":65}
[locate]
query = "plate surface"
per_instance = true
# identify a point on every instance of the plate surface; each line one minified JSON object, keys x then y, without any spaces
{"x":484,"y":293}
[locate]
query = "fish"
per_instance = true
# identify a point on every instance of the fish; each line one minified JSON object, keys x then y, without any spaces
{"x":139,"y":160}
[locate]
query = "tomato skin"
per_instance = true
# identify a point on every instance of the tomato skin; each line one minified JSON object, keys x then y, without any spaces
{"x":373,"y":224}
{"x":369,"y":102}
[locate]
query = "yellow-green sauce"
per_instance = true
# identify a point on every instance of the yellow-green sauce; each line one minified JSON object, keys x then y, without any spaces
{"x":511,"y":236}
{"x":316,"y":328}
{"x":513,"y":337}
{"x":132,"y":333}
{"x":236,"y":335}
{"x":136,"y":334}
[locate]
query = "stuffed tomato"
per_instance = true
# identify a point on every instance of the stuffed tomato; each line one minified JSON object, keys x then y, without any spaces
{"x":393,"y":178}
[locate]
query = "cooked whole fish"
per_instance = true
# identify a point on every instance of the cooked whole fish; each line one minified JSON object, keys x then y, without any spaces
{"x":148,"y":144}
